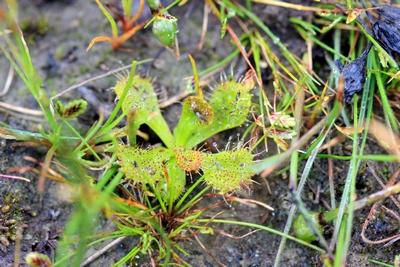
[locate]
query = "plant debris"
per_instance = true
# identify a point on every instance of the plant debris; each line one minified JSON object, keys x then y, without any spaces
{"x":386,"y":29}
{"x":354,"y":75}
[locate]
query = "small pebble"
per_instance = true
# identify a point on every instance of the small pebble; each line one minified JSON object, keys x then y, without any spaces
{"x":33,"y":213}
{"x":11,"y":222}
{"x":4,"y":241}
{"x":74,"y":24}
{"x":5,"y":208}
{"x":159,"y":63}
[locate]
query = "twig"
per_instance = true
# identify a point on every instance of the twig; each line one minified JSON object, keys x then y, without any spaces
{"x":17,"y":249}
{"x":370,"y":217}
{"x":391,"y":181}
{"x":331,"y":181}
{"x":174,"y":99}
{"x":295,"y":6}
{"x":207,"y":251}
{"x":95,"y":78}
{"x":45,"y":168}
{"x":242,"y":50}
{"x":28,"y":111}
{"x":14,"y":177}
{"x":378,"y":196}
{"x":103,"y":250}
{"x":392,"y":212}
{"x":204,"y":26}
{"x":247,"y":201}
{"x":222,"y":232}
{"x":7,"y":84}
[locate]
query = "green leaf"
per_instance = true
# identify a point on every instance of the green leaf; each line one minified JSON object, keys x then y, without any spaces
{"x":303,"y":231}
{"x":383,"y":59}
{"x":127,"y":6}
{"x":141,"y":106}
{"x":228,"y":170}
{"x":156,"y":167}
{"x":72,"y":109}
{"x":176,"y":180}
{"x":106,"y":13}
{"x":228,"y":108}
{"x":144,"y":166}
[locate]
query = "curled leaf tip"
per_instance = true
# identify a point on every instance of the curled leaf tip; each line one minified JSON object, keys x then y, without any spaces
{"x":72,"y":109}
{"x":98,"y":39}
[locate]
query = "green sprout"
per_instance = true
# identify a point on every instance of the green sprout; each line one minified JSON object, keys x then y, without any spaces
{"x":165,"y":26}
{"x":129,"y":24}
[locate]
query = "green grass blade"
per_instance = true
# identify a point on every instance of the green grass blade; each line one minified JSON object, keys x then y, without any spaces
{"x":109,"y":17}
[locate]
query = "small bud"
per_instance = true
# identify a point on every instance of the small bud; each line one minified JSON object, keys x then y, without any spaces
{"x":35,"y":259}
{"x":154,"y":4}
{"x":165,"y":28}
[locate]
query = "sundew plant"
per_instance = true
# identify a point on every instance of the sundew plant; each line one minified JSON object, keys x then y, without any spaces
{"x":157,"y":204}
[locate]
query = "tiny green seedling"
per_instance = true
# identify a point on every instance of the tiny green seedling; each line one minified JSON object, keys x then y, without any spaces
{"x":129,"y":24}
{"x":165,"y":26}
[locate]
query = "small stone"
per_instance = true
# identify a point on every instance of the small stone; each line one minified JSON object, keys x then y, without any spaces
{"x":5,"y":208}
{"x":11,"y":222}
{"x":33,"y":213}
{"x":74,"y":24}
{"x":159,"y":63}
{"x":4,"y":241}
